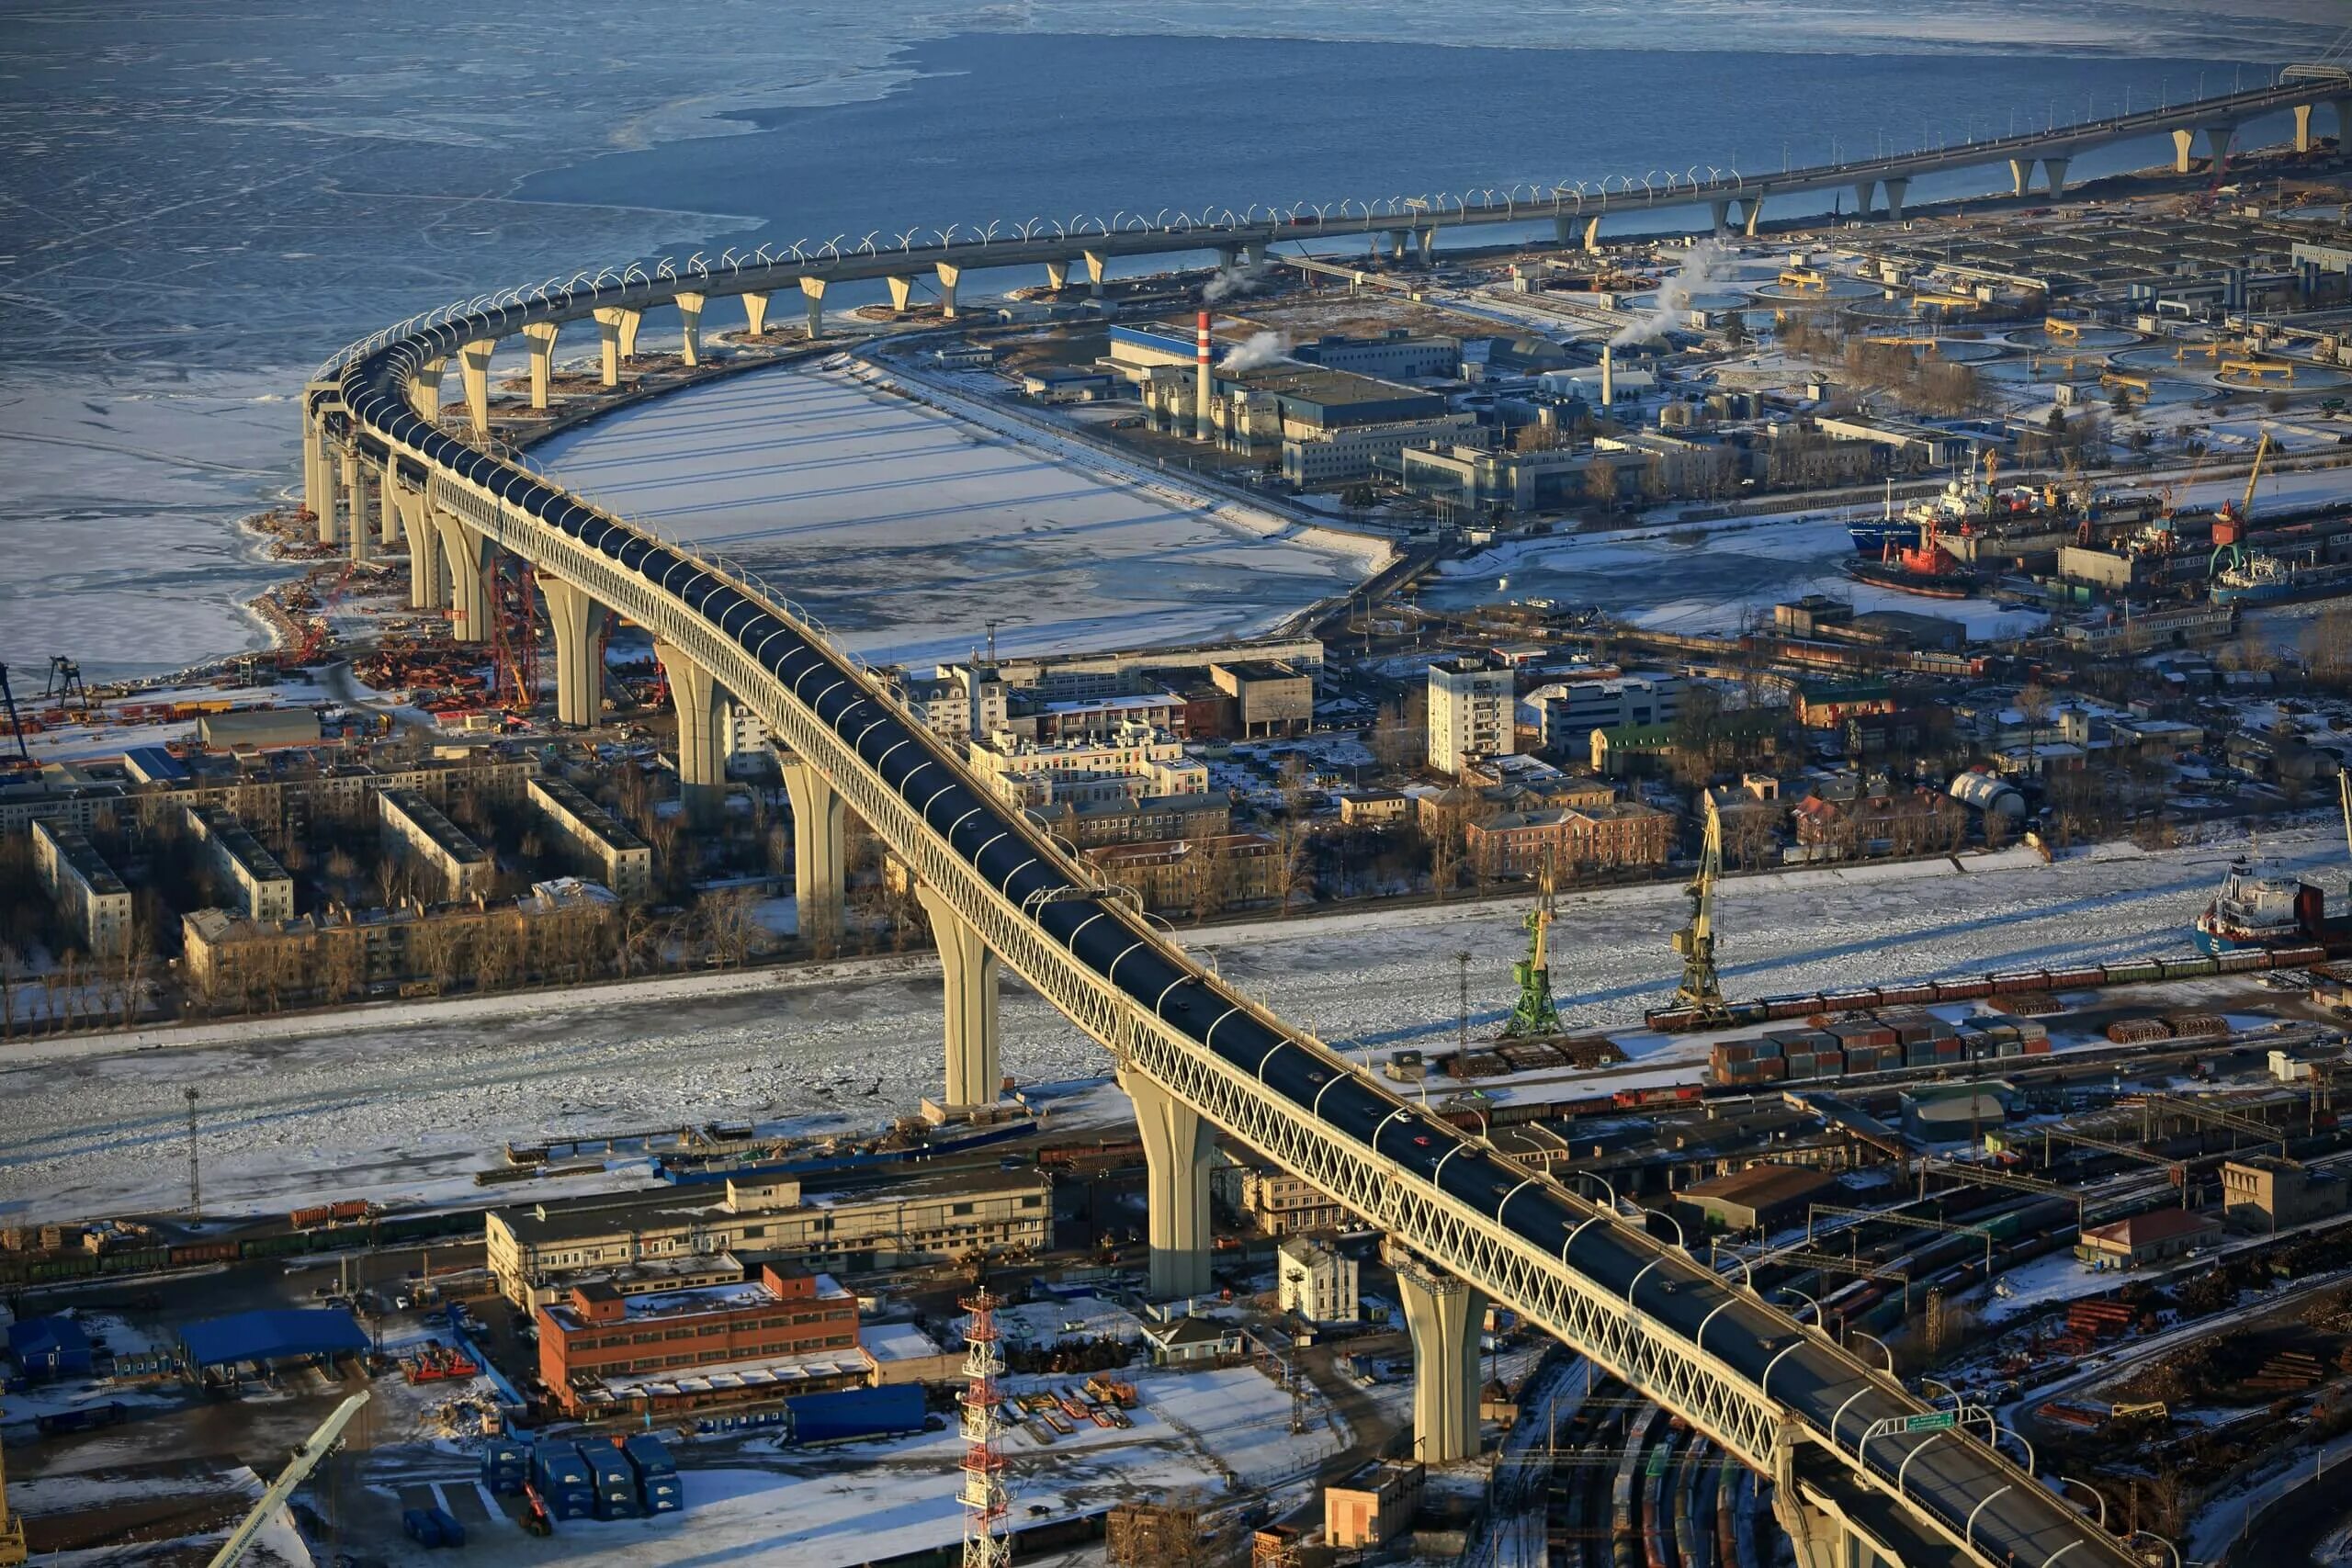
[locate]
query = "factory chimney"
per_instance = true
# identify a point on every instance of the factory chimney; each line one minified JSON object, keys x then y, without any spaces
{"x":1202,"y":429}
{"x":1608,"y":376}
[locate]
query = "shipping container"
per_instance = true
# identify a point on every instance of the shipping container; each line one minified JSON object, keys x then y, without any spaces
{"x":658,"y":1490}
{"x":616,"y":1481}
{"x":855,"y":1413}
{"x":563,"y":1480}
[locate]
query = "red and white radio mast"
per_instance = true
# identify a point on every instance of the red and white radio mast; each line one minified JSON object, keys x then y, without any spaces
{"x":985,"y":1504}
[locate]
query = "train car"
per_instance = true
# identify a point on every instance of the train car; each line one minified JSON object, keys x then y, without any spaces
{"x":1657,"y":1521}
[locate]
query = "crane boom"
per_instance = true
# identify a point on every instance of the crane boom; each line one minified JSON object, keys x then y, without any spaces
{"x":2261,"y":450}
{"x":1701,"y":989}
{"x":315,"y":1446}
{"x":16,"y":727}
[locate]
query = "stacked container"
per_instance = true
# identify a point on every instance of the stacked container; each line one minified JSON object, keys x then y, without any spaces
{"x":616,"y":1481}
{"x":505,"y":1466}
{"x":658,"y":1491}
{"x":565,"y":1483}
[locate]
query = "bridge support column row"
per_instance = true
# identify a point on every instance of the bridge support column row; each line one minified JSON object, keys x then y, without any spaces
{"x":2054,"y":177}
{"x":902,"y":290}
{"x":1755,"y":216}
{"x":1096,"y":266}
{"x":1444,"y":1316}
{"x":701,"y":707}
{"x":2217,"y":141}
{"x":388,"y":511}
{"x":473,"y":367}
{"x":690,"y":328}
{"x":424,"y":389}
{"x":819,"y":852}
{"x":2306,"y":141}
{"x":812,"y":290}
{"x":1895,"y":191}
{"x":466,"y":552}
{"x":358,"y":480}
{"x":1176,"y":1180}
{"x":1721,"y":212}
{"x":1864,"y":191}
{"x":1057,"y":276}
{"x":949,"y":275}
{"x":617,"y":327}
{"x":424,"y":587}
{"x":755,"y":315}
{"x":969,"y":970}
{"x":1426,"y":240}
{"x":318,"y":475}
{"x":1592,"y":234}
{"x":579,"y":624}
{"x":541,"y":337}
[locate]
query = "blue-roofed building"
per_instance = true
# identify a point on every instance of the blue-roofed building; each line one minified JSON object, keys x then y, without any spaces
{"x":280,"y":1334}
{"x":49,"y":1348}
{"x":153,"y":764}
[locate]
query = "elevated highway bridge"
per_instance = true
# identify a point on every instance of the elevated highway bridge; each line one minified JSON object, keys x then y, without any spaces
{"x":1864,"y":1470}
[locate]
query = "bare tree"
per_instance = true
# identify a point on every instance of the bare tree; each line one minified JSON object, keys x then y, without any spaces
{"x":730,"y":921}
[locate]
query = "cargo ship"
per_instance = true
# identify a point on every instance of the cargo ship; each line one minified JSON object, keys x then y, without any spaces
{"x":2253,"y":912}
{"x":1924,"y":567}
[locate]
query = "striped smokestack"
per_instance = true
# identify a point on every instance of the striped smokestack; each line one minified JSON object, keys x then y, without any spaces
{"x":1202,"y":427}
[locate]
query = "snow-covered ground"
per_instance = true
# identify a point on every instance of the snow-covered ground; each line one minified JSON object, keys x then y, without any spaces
{"x":405,"y":1103}
{"x":905,"y":531}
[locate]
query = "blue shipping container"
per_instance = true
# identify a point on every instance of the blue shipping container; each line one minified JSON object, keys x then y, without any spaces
{"x":452,"y":1532}
{"x":615,"y":1481}
{"x":855,"y":1413}
{"x":565,"y":1483}
{"x":657,"y":1473}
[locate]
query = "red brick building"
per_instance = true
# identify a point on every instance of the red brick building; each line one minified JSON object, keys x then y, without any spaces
{"x":597,"y":1338}
{"x":1621,"y":833}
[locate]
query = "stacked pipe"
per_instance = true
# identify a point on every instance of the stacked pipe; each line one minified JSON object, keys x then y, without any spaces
{"x":1202,"y":427}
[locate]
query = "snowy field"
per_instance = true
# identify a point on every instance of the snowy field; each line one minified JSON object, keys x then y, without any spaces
{"x":904,"y":530}
{"x":403,"y":1104}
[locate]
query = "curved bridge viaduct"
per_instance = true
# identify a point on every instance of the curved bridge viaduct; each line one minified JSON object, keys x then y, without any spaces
{"x":1864,"y":1470}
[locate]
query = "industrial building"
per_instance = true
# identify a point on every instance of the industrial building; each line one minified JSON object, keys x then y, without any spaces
{"x":1316,"y":1282}
{"x":2152,"y":1238}
{"x":2266,"y":1193}
{"x":1269,"y":698}
{"x":1395,"y":354}
{"x":257,"y":728}
{"x":535,"y":1250}
{"x":620,"y":857}
{"x":1763,"y":1195}
{"x":263,"y":890}
{"x":1372,"y":1505}
{"x":88,"y":895}
{"x":1473,"y":712}
{"x":1569,"y":711}
{"x":780,"y":1333}
{"x":415,"y":829}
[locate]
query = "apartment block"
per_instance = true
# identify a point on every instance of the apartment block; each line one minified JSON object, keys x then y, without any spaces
{"x":248,"y":872}
{"x":622,"y":859}
{"x":87,"y":892}
{"x":415,"y":829}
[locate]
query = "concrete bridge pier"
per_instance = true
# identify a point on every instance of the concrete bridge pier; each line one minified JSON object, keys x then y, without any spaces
{"x":541,"y":336}
{"x":424,"y":588}
{"x":388,"y":511}
{"x":902,"y":290}
{"x":466,"y":551}
{"x":2054,"y":177}
{"x":812,"y":291}
{"x":1592,"y":236}
{"x":1444,"y":1316}
{"x":701,"y":707}
{"x":2020,"y":177}
{"x":1896,"y":188}
{"x":2217,"y":139}
{"x":1057,"y":276}
{"x":1564,"y":227}
{"x":1755,"y":216}
{"x":1824,"y":1535}
{"x":975,"y":1080}
{"x":359,"y":480}
{"x":318,"y":475}
{"x":1863,"y":192}
{"x":473,"y":367}
{"x":1227,"y":257}
{"x":579,"y":624}
{"x":1721,"y":213}
{"x":755,"y":312}
{"x":617,"y":327}
{"x":2305,"y":141}
{"x":818,"y":853}
{"x":1176,"y":1146}
{"x":424,"y":389}
{"x":690,"y":328}
{"x":1426,"y":239}
{"x":1097,"y":264}
{"x":948,"y":275}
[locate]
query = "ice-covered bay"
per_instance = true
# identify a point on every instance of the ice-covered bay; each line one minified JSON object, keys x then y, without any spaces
{"x":406,"y":1105}
{"x":904,"y":529}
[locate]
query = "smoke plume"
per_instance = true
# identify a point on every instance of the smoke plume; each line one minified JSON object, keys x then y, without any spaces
{"x":1233,"y":280}
{"x":1701,"y":264}
{"x":1261,"y":348}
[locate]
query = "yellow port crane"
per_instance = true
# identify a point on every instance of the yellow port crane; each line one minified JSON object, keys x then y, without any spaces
{"x":1701,"y":990}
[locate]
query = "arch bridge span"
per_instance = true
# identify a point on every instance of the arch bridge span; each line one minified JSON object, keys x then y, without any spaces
{"x":1464,"y":1222}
